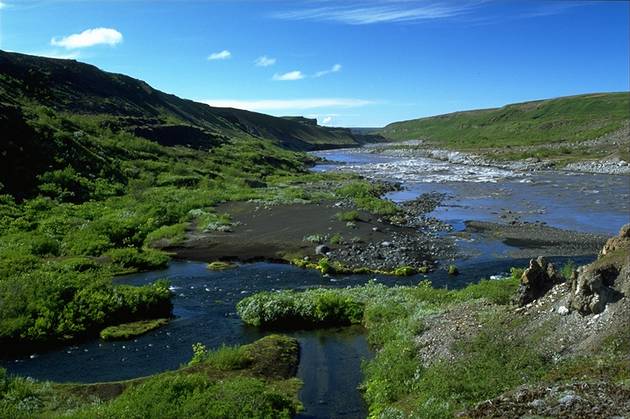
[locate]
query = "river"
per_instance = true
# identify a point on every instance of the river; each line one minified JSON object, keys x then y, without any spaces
{"x":204,"y":301}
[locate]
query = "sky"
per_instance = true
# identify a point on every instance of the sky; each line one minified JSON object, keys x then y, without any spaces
{"x":354,"y":63}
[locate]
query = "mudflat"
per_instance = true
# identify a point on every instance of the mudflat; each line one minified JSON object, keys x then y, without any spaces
{"x":281,"y":232}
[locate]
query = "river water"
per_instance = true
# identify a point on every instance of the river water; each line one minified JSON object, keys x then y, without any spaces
{"x":204,"y":302}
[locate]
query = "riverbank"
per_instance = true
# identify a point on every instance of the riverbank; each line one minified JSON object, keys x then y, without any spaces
{"x":359,"y":240}
{"x":607,"y":154}
{"x":254,"y":380}
{"x":482,"y":351}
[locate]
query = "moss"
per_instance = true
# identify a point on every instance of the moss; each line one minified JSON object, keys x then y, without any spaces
{"x":220,"y":265}
{"x":452,"y":270}
{"x":325,"y":266}
{"x":405,"y":271}
{"x":129,"y":330}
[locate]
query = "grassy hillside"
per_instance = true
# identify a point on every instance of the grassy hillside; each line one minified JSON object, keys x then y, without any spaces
{"x":127,"y":103}
{"x":566,"y":119}
{"x":95,"y":168}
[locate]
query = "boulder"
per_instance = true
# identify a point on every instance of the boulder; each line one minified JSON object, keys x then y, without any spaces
{"x":537,"y":279}
{"x":605,"y":280}
{"x":322,"y":249}
{"x":621,"y":241}
{"x":592,"y":289}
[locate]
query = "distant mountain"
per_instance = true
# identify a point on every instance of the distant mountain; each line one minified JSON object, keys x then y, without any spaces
{"x":573,"y":118}
{"x":133,"y":105}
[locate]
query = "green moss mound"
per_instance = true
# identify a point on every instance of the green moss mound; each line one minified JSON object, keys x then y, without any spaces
{"x":129,"y":330}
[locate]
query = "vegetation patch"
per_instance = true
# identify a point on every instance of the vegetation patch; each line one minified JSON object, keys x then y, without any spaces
{"x":219,"y":265}
{"x":127,"y":331}
{"x":255,"y":380}
{"x":348,"y":216}
{"x":326,"y":266}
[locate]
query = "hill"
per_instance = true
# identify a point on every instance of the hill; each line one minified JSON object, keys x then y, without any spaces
{"x":74,"y":87}
{"x":62,"y":115}
{"x":566,"y":119}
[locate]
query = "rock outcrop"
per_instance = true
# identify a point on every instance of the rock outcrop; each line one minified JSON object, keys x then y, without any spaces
{"x":537,"y":279}
{"x":605,"y":280}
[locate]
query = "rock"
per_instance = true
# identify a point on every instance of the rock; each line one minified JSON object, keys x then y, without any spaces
{"x":589,"y":292}
{"x":386,"y":244}
{"x":592,"y":287}
{"x":322,"y":249}
{"x":537,"y":279}
{"x":563,"y":310}
{"x":621,"y":241}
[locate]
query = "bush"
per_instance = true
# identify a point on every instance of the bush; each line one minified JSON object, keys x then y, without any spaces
{"x":568,"y":269}
{"x":348,"y":216}
{"x":319,"y":307}
{"x":170,"y":235}
{"x":224,"y":358}
{"x":131,"y":258}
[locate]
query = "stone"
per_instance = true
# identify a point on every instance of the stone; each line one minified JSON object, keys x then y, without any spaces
{"x":563,"y":310}
{"x":537,"y":279}
{"x":322,"y":249}
{"x":591,"y":289}
{"x":621,"y":241}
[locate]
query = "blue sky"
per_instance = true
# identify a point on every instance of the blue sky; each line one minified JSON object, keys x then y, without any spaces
{"x":348,"y":63}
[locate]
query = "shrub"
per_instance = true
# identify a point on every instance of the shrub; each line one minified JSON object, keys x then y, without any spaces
{"x":170,"y":235}
{"x":336,"y":239}
{"x":348,"y":216}
{"x":133,"y":258}
{"x":224,"y":358}
{"x":568,"y":269}
{"x":306,"y":309}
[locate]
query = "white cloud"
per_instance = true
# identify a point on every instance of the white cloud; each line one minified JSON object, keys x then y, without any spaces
{"x":221,"y":55}
{"x":2,"y":5}
{"x":366,"y":12}
{"x":288,"y":104}
{"x":291,"y":75}
{"x":264,"y":61}
{"x":89,"y":38}
{"x":334,"y":69}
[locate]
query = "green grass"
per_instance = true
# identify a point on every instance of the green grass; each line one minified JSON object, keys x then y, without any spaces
{"x":348,"y":216}
{"x":253,"y":380}
{"x":322,"y":306}
{"x":127,"y":331}
{"x":569,"y":119}
{"x":394,"y":317}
